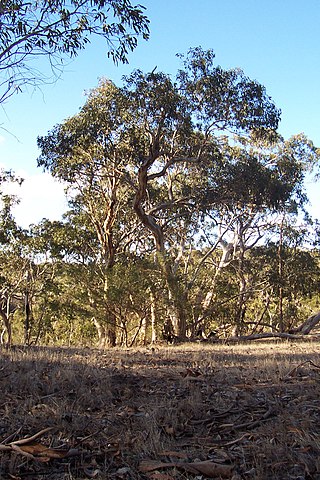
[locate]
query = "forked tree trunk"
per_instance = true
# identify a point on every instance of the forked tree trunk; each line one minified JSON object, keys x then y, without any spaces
{"x":176,"y":309}
{"x":226,"y":256}
{"x":106,"y":327}
{"x":106,"y":334}
{"x":177,"y":316}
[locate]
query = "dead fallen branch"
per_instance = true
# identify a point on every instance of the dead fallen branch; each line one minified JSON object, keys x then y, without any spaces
{"x":27,"y":440}
{"x":29,"y":448}
{"x":215,"y":416}
{"x":207,"y":468}
{"x":223,"y":443}
{"x":261,"y":336}
{"x":269,"y":413}
{"x":294,"y":370}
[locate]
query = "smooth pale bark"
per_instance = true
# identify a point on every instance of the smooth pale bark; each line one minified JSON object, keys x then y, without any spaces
{"x":226,"y":257}
{"x":7,"y":332}
{"x":242,"y":298}
{"x":144,"y":329}
{"x":176,"y":298}
{"x":101,"y":332}
{"x":175,"y":308}
{"x":110,"y":326}
{"x":308,"y":325}
{"x":106,"y":334}
{"x":106,"y":327}
{"x":6,"y":313}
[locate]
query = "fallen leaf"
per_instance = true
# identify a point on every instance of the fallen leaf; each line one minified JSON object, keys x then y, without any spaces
{"x":210,"y":469}
{"x":17,"y":449}
{"x":41,"y":452}
{"x":169,"y":430}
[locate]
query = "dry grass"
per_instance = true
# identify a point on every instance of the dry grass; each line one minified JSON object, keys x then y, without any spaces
{"x":254,"y":409}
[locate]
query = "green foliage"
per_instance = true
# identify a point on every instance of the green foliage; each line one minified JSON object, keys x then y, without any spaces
{"x":58,"y":29}
{"x":225,"y":99}
{"x":171,"y":215}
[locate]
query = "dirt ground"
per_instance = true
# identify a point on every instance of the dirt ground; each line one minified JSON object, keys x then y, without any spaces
{"x":195,"y":411}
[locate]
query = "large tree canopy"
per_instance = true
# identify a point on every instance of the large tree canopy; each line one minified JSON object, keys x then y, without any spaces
{"x":180,"y":161}
{"x":160,"y":139}
{"x":58,"y":29}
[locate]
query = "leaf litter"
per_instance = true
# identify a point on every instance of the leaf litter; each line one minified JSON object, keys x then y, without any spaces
{"x":247,"y":411}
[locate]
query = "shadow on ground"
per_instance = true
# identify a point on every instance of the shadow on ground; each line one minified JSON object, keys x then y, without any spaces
{"x":253,"y":407}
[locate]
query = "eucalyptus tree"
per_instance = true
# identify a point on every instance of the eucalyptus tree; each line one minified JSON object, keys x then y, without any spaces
{"x":91,"y":153}
{"x":153,"y":141}
{"x":180,"y":122}
{"x":61,"y":255}
{"x":57,"y":30}
{"x":76,"y":303}
{"x":261,"y":182}
{"x":12,"y":269}
{"x":289,"y":294}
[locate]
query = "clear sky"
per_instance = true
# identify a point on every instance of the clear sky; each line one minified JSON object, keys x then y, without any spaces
{"x":276,"y":42}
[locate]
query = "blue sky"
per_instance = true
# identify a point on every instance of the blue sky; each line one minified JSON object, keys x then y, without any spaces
{"x":276,"y":42}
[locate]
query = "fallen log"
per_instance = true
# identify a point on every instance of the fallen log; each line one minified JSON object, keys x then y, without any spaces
{"x":306,"y":327}
{"x":260,"y":336}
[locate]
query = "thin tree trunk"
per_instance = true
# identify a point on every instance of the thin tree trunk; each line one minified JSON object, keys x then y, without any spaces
{"x":110,"y":326}
{"x":153,"y":317}
{"x":176,"y":306}
{"x":280,"y":272}
{"x":241,"y":306}
{"x":27,"y":319}
{"x":7,"y":328}
{"x":106,"y":334}
{"x":101,"y":333}
{"x":144,"y":330}
{"x":110,"y":331}
{"x":227,"y":249}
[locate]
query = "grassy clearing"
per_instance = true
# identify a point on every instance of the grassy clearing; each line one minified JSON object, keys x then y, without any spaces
{"x":249,"y":411}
